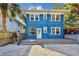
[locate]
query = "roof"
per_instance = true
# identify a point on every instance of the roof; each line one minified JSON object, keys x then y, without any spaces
{"x":20,"y":21}
{"x":46,"y":11}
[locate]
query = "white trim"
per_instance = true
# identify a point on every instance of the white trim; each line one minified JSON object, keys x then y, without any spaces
{"x":55,"y":17}
{"x":51,"y":31}
{"x":51,"y":17}
{"x":59,"y":17}
{"x":30,"y":17}
{"x":46,"y":11}
{"x":44,"y":16}
{"x":44,"y":28}
{"x":35,"y":16}
{"x":38,"y":17}
{"x":21,"y":22}
{"x":55,"y":31}
{"x":39,"y":36}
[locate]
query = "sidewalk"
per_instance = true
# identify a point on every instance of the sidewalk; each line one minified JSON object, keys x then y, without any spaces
{"x":15,"y":50}
{"x":37,"y":50}
{"x":67,"y":49}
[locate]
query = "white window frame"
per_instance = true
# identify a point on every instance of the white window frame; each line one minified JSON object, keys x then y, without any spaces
{"x":55,"y":31}
{"x":59,"y":17}
{"x":30,"y":17}
{"x":34,"y":17}
{"x":38,"y":17}
{"x":44,"y":16}
{"x":44,"y":28}
{"x":55,"y":17}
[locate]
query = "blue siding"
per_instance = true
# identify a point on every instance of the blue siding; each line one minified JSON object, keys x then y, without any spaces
{"x":44,"y":23}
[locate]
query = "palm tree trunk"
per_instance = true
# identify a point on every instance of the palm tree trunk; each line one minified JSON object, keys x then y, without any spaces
{"x":4,"y":20}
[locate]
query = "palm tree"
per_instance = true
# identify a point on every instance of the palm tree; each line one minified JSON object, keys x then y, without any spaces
{"x":10,"y":10}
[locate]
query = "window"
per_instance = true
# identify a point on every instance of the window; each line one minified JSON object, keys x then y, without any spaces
{"x":44,"y":16}
{"x":55,"y":17}
{"x":55,"y":30}
{"x":45,"y":29}
{"x":36,"y":17}
{"x":32,"y":17}
{"x":32,"y":31}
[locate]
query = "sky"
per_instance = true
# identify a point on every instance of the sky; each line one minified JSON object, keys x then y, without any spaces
{"x":38,"y":5}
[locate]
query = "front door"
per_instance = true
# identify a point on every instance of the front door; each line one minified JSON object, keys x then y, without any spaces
{"x":39,"y":33}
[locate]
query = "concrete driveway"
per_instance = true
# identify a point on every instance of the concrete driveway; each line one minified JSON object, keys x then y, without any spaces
{"x":67,"y":49}
{"x":15,"y":50}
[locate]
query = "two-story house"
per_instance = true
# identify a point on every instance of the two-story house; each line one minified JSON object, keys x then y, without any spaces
{"x":45,"y":24}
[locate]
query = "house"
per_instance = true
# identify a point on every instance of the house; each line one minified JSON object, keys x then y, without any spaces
{"x":13,"y":25}
{"x":45,"y":24}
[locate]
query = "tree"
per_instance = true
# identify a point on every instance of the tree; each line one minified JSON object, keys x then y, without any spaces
{"x":10,"y":10}
{"x":59,"y":7}
{"x":73,"y":16}
{"x":70,"y":17}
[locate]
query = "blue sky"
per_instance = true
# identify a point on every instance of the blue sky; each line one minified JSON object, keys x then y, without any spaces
{"x":39,"y":5}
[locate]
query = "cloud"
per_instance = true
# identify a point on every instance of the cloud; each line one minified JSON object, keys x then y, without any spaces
{"x":31,"y":8}
{"x":35,"y":7}
{"x":39,"y":7}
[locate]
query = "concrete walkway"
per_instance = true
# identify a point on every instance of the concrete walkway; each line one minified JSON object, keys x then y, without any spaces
{"x":37,"y":50}
{"x":15,"y":50}
{"x":23,"y":50}
{"x":67,"y":49}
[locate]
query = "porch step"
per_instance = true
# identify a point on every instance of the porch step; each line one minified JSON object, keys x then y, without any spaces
{"x":50,"y":41}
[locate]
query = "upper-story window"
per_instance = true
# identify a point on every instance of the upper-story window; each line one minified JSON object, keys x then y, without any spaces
{"x":32,"y":17}
{"x":36,"y":17}
{"x":55,"y":17}
{"x":58,"y":17}
{"x":44,"y":16}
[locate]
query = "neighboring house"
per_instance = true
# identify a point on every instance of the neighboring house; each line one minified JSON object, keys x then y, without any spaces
{"x":45,"y":24}
{"x":13,"y":25}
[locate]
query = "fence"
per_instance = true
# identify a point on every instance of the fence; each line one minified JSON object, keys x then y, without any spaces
{"x":71,"y":36}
